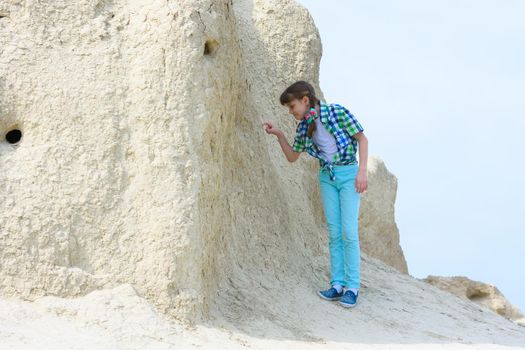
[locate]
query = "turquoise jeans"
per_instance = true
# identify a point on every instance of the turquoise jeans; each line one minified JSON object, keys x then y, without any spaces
{"x":341,"y":208}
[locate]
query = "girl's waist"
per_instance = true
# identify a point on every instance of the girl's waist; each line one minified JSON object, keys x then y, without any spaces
{"x":347,"y":164}
{"x":350,"y":165}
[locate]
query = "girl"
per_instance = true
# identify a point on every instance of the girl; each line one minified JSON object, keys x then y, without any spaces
{"x":330,"y":133}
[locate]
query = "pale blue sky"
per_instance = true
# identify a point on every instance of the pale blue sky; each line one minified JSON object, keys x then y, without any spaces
{"x":439,"y":87}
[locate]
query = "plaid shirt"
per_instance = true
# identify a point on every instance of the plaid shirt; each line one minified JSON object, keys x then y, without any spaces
{"x":342,"y":125}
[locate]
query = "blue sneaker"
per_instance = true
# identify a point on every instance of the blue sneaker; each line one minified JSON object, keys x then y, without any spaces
{"x":330,"y":294}
{"x":349,"y":299}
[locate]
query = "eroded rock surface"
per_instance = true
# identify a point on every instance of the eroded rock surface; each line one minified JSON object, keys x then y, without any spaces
{"x":481,"y":293}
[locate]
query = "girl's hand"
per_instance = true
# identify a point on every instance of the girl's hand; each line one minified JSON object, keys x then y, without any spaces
{"x":361,"y":181}
{"x":271,"y":129}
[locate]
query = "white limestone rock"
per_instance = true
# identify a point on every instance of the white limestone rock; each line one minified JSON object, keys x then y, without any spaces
{"x":142,"y":159}
{"x":481,"y":293}
{"x":379,"y":235}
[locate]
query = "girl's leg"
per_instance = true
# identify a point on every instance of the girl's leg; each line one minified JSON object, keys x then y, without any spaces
{"x":332,"y":211}
{"x":350,"y":201}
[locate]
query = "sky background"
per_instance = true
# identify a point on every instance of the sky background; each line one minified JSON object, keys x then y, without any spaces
{"x":439,"y":87}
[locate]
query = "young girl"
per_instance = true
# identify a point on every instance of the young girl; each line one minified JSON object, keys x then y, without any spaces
{"x":330,"y":133}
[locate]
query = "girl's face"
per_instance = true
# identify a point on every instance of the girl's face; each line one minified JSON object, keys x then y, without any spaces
{"x":299,"y":108}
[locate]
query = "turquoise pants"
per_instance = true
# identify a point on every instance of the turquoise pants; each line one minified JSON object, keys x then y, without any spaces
{"x":341,"y":208}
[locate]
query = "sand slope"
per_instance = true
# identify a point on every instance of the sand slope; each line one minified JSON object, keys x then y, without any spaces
{"x":395,"y":311}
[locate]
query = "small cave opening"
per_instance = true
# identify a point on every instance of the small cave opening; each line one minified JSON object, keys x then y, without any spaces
{"x":13,"y":136}
{"x":210,"y":47}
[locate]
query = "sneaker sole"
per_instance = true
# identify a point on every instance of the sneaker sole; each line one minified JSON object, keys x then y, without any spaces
{"x":329,"y":299}
{"x":347,"y":305}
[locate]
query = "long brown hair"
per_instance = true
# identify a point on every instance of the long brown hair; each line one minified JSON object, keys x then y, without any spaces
{"x":297,"y":91}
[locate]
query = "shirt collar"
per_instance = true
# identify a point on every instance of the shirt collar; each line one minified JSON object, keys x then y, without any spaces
{"x":324,"y":112}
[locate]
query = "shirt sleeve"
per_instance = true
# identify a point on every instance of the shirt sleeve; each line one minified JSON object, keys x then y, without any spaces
{"x":351,"y":124}
{"x":299,"y":143}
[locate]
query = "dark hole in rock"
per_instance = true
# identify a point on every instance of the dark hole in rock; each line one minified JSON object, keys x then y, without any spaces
{"x":210,"y":47}
{"x":13,"y":136}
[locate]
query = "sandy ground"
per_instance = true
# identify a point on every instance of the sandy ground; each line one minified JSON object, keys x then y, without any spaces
{"x":119,"y":319}
{"x":417,"y":315}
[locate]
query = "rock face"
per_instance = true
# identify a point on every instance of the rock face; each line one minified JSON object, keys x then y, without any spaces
{"x":142,"y":158}
{"x":379,"y":235}
{"x":481,"y":293}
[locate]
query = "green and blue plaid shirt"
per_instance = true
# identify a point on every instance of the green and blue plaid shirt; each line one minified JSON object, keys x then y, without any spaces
{"x":342,"y":125}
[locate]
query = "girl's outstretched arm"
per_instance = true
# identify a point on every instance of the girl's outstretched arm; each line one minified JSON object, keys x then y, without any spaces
{"x":291,"y":156}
